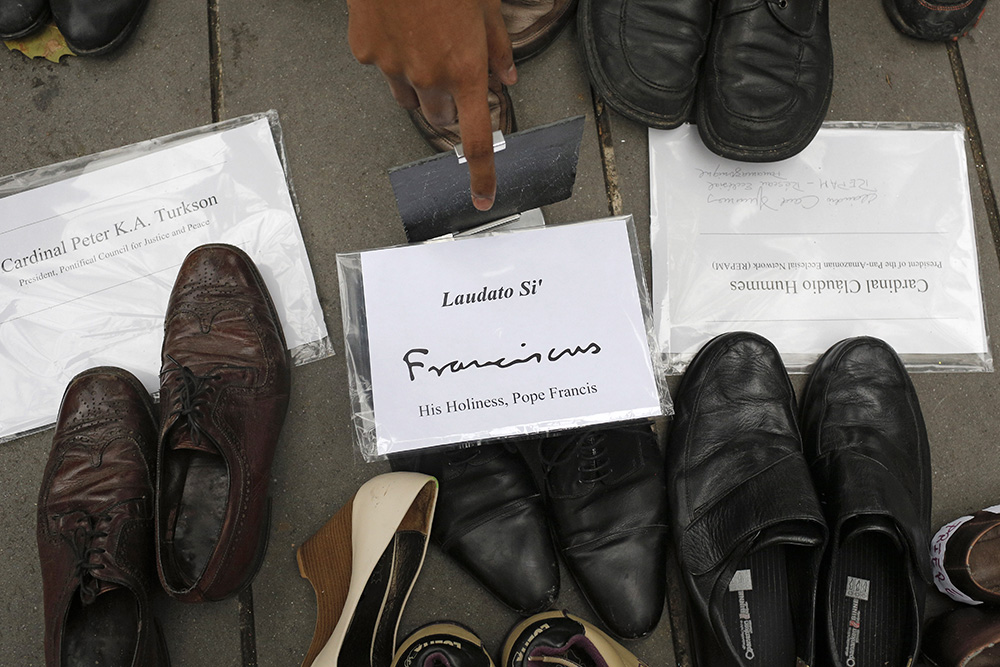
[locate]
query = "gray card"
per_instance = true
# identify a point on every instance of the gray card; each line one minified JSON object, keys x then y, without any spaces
{"x":537,"y":167}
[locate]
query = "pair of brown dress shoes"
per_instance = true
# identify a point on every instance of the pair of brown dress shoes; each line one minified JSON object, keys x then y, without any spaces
{"x":120,"y":491}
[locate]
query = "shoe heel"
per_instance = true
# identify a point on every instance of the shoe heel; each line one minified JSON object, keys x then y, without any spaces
{"x":325,"y":561}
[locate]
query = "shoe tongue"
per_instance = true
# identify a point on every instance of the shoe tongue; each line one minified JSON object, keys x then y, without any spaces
{"x":184,"y":440}
{"x":93,"y":588}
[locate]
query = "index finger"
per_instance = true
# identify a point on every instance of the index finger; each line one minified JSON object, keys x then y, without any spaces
{"x":477,"y":142}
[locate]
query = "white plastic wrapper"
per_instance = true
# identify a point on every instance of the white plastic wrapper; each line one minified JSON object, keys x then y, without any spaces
{"x":501,"y":335}
{"x":868,"y":231}
{"x":89,"y":250}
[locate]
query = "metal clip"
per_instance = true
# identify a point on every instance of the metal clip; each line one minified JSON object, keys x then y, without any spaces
{"x":499,"y":143}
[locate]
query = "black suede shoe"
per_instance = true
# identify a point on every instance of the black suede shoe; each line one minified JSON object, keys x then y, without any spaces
{"x":95,"y":27}
{"x":607,"y":505}
{"x":942,"y":20}
{"x":490,"y":519}
{"x":767,"y":78}
{"x":867,"y":446}
{"x":747,"y":523}
{"x":20,"y":18}
{"x":643,"y":56}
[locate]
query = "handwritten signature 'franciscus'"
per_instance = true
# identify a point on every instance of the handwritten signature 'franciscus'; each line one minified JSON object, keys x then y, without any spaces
{"x":457,"y":366}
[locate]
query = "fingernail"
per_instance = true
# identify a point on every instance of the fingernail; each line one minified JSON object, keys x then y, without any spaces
{"x":482,"y":203}
{"x":512,"y":73}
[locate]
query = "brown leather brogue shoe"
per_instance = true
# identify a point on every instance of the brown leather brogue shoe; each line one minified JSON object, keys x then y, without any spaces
{"x":223,"y":397}
{"x":95,"y":526}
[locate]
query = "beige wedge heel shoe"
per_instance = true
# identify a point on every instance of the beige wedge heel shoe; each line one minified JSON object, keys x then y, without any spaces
{"x":362,"y":565}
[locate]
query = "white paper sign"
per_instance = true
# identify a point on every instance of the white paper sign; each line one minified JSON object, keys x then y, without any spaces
{"x":508,"y":334}
{"x":866,"y":232}
{"x":87,"y":263}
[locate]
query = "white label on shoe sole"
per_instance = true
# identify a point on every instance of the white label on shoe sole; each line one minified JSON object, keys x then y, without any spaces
{"x":742,"y":581}
{"x":858,"y":588}
{"x":939,"y":544}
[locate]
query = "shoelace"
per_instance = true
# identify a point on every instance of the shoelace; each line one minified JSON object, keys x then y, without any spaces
{"x":193,"y":394}
{"x":592,"y":461}
{"x":464,"y":456}
{"x":780,"y":4}
{"x":81,"y":540}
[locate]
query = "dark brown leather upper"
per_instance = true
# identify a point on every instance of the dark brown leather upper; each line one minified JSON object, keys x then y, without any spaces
{"x":972,"y":557}
{"x":224,"y":386}
{"x":95,"y":506}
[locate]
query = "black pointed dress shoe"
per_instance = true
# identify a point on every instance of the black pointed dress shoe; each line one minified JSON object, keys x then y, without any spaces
{"x":865,"y":440}
{"x":96,"y":27}
{"x":20,"y":18}
{"x":941,"y":20}
{"x":748,"y":525}
{"x":643,"y":56}
{"x":766,"y":82}
{"x":490,"y":519}
{"x":606,"y":502}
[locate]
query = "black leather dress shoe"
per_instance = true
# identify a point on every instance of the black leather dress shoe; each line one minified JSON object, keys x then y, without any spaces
{"x":747,"y":523}
{"x":865,"y":441}
{"x":643,"y":56}
{"x":490,"y":519}
{"x":607,"y":504}
{"x":767,"y":78}
{"x":939,"y":21}
{"x":20,"y":18}
{"x":95,"y":27}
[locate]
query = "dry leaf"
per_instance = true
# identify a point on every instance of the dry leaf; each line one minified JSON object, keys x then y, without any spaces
{"x":47,"y":43}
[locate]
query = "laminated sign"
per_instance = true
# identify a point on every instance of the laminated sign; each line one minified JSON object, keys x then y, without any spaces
{"x":509,"y":334}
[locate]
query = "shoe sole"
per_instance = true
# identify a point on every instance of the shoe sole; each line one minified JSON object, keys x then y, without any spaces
{"x":339,"y":560}
{"x":607,"y":93}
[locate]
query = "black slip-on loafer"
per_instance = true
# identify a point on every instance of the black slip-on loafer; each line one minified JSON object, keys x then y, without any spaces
{"x":491,"y":520}
{"x":865,"y":440}
{"x":766,"y":83}
{"x":606,"y":502}
{"x":940,"y":21}
{"x":643,"y":56}
{"x":20,"y":18}
{"x":747,"y":523}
